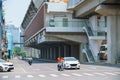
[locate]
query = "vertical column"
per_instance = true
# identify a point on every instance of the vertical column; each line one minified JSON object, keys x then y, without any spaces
{"x":40,"y":53}
{"x":53,"y":50}
{"x":51,"y":53}
{"x":80,"y":53}
{"x":113,"y":38}
{"x":65,"y":48}
{"x":59,"y":48}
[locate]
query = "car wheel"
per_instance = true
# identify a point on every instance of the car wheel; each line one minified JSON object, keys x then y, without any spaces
{"x":9,"y":70}
{"x":1,"y":69}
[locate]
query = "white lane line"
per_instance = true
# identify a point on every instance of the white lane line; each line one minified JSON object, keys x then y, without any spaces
{"x":40,"y":75}
{"x":17,"y":76}
{"x":101,"y":74}
{"x":65,"y":75}
{"x":88,"y":74}
{"x":110,"y":73}
{"x":53,"y":75}
{"x":76,"y":74}
{"x":29,"y":76}
{"x":4,"y":77}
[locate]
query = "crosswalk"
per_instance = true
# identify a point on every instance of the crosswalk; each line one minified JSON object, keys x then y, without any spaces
{"x":65,"y":75}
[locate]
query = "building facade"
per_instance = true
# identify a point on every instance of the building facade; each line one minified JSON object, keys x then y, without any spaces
{"x":14,"y":31}
{"x":78,"y":28}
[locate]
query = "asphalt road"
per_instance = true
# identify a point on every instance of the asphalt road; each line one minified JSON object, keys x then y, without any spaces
{"x":42,"y":70}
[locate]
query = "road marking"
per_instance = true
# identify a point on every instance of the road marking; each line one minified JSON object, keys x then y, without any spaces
{"x":110,"y":73}
{"x":41,"y":75}
{"x":117,"y":72}
{"x":53,"y":75}
{"x":100,"y":74}
{"x":65,"y":75}
{"x":23,"y":70}
{"x":76,"y":74}
{"x":88,"y":74}
{"x":5,"y":77}
{"x":17,"y":76}
{"x":29,"y":76}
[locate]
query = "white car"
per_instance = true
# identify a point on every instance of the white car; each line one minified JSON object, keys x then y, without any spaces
{"x":5,"y":66}
{"x":71,"y":62}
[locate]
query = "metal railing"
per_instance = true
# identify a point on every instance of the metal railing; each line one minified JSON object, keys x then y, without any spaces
{"x":64,"y":24}
{"x":88,"y":53}
{"x":92,"y":32}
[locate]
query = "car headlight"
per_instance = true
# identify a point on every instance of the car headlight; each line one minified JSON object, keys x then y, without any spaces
{"x":67,"y":64}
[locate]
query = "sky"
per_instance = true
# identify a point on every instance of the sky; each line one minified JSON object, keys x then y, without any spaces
{"x":15,"y":11}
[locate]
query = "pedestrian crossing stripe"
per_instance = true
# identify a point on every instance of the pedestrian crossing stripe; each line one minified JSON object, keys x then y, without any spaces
{"x":88,"y":74}
{"x":29,"y":76}
{"x":5,"y":77}
{"x":110,"y":73}
{"x":17,"y":76}
{"x":54,"y":75}
{"x":40,"y":75}
{"x":67,"y":75}
{"x":101,"y":74}
{"x":76,"y":74}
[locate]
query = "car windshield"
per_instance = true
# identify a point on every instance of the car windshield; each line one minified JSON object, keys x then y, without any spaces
{"x":1,"y":60}
{"x":70,"y":59}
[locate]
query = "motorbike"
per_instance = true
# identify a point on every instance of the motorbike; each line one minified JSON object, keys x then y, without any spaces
{"x":30,"y":62}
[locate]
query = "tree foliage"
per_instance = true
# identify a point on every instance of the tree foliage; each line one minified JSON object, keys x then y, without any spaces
{"x":23,"y":53}
{"x":19,"y":52}
{"x":16,"y":51}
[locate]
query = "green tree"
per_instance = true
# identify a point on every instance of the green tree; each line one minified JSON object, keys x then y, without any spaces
{"x":16,"y":51}
{"x":23,"y":53}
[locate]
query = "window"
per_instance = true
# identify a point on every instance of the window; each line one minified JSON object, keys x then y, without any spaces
{"x":65,"y":22}
{"x":51,"y":23}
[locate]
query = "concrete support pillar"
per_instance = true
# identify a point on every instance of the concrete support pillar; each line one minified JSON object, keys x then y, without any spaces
{"x":59,"y":48}
{"x":47,"y":53}
{"x":65,"y":52}
{"x":80,"y":53}
{"x":51,"y":53}
{"x":54,"y":53}
{"x":113,"y":37}
{"x":40,"y":53}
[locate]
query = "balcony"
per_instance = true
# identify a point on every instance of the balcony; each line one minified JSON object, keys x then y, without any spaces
{"x":68,"y":26}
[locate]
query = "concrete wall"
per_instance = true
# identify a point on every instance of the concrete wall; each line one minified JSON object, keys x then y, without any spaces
{"x":113,"y":38}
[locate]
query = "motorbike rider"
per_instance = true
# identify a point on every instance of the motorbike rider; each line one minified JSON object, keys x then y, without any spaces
{"x":30,"y":61}
{"x":60,"y":63}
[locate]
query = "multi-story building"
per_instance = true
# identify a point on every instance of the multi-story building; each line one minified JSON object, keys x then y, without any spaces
{"x":53,"y":28}
{"x":13,"y":38}
{"x":14,"y":31}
